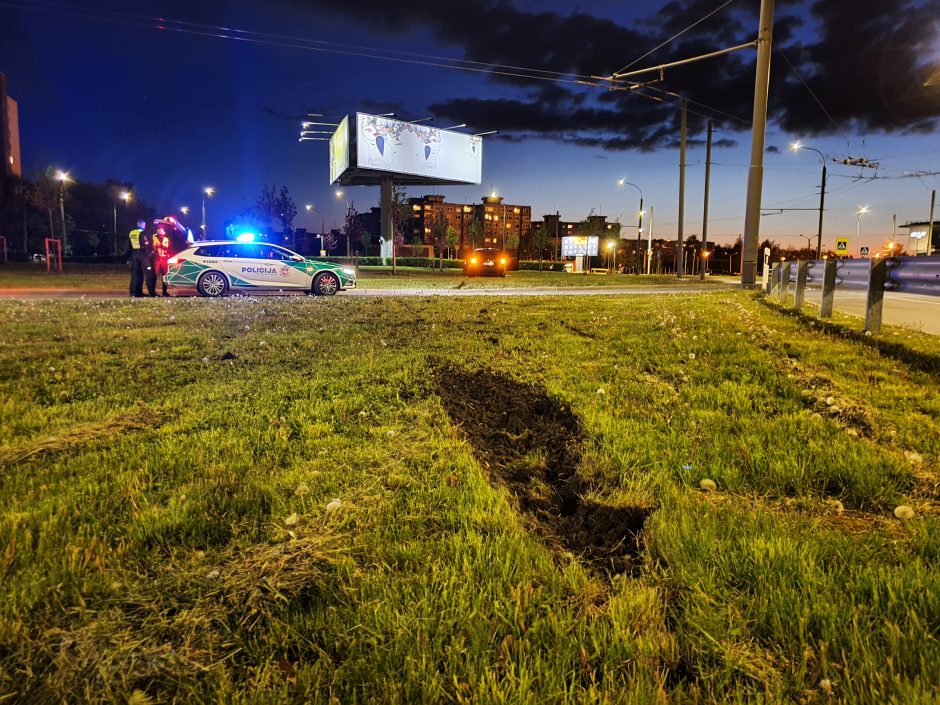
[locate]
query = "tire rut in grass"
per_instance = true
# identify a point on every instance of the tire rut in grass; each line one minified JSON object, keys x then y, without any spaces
{"x":531,"y":445}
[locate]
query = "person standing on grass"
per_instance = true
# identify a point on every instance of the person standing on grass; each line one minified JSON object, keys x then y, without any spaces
{"x":140,"y":256}
{"x":161,"y":253}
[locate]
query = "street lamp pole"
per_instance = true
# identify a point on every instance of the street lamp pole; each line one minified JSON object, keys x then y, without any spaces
{"x":62,"y":177}
{"x":639,"y":222}
{"x":795,"y":147}
{"x":125,"y":195}
{"x":207,"y":191}
{"x":858,"y":229}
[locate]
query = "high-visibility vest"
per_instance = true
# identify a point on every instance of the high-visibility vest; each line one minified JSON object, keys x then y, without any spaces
{"x":135,"y":238}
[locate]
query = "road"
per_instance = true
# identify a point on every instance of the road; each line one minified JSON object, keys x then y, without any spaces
{"x":909,"y":310}
{"x":48,"y":294}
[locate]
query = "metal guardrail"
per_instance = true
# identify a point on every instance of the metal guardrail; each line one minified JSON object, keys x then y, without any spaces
{"x":915,"y":275}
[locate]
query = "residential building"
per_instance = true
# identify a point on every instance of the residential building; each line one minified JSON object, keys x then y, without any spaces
{"x":10,"y":164}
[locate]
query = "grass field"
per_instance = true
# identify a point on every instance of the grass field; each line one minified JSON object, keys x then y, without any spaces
{"x":116,"y":277}
{"x":292,"y":500}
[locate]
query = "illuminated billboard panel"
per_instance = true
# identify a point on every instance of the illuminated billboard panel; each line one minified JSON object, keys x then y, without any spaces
{"x":384,"y":144}
{"x":579,"y":246}
{"x":339,"y":150}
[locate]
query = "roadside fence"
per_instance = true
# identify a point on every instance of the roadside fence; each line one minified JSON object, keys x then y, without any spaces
{"x":915,"y":275}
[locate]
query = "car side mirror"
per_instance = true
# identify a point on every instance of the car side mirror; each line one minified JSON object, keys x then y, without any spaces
{"x":296,"y":258}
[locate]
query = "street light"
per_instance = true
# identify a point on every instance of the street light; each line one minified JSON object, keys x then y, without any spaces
{"x":858,"y":227}
{"x":705,"y":254}
{"x":610,"y":253}
{"x":796,"y":147}
{"x":639,"y":224}
{"x":207,"y":191}
{"x":310,"y":209}
{"x":124,"y":196}
{"x":184,"y":210}
{"x":339,"y":195}
{"x":62,"y":177}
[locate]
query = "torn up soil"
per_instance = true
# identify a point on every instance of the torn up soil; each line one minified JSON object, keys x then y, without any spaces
{"x":531,"y":444}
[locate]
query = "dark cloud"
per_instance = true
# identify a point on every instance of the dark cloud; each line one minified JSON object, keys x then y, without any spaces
{"x":862,"y":59}
{"x":773,"y":149}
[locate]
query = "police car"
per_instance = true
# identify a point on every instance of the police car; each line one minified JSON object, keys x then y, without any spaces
{"x":216,"y":267}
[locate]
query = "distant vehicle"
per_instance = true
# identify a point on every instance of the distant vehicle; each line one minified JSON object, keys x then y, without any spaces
{"x":216,"y":267}
{"x":38,"y":258}
{"x":486,"y":262}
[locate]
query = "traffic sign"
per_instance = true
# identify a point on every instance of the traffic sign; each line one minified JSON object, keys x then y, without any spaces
{"x":863,"y":251}
{"x":842,"y":246}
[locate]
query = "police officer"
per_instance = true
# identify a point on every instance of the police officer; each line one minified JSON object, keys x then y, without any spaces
{"x":161,"y":253}
{"x":140,"y":250}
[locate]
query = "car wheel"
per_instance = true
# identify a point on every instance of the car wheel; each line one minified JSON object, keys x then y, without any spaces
{"x":326,"y":284}
{"x":212,"y":284}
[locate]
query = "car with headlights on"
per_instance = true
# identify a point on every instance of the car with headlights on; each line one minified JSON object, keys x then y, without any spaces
{"x":214,"y":268}
{"x":486,"y":262}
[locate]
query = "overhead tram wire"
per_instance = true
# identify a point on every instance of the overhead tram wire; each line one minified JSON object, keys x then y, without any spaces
{"x":808,"y":89}
{"x":674,"y":37}
{"x":285,"y":41}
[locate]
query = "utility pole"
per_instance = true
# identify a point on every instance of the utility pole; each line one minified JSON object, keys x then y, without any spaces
{"x":708,"y":171}
{"x":755,"y":176}
{"x":822,"y":201}
{"x":933,"y":202}
{"x":557,"y":241}
{"x":680,"y":254}
{"x":639,"y":232}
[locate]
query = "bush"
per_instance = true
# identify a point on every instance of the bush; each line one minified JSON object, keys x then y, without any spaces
{"x":425,"y":262}
{"x":546,"y":266}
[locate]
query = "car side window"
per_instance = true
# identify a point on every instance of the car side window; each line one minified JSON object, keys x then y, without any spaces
{"x":248,"y":251}
{"x":208,"y":251}
{"x":275,"y":253}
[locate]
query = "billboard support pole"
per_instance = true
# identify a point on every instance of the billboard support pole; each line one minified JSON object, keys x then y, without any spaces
{"x":387,"y":224}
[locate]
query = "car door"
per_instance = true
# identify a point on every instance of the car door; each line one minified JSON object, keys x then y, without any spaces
{"x":291,"y":273}
{"x":251,"y":268}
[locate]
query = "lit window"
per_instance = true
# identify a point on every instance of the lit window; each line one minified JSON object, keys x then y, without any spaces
{"x":515,"y":210}
{"x":489,"y":217}
{"x":467,"y":209}
{"x":427,"y":230}
{"x":416,"y":208}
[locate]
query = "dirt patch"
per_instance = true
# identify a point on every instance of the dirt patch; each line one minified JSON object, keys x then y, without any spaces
{"x":531,"y":444}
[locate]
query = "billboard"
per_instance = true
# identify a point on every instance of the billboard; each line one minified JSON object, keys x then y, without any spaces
{"x":339,"y":150}
{"x":388,"y":145}
{"x":579,"y":246}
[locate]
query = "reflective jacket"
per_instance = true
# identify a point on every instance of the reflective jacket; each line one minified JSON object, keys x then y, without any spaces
{"x":140,"y":240}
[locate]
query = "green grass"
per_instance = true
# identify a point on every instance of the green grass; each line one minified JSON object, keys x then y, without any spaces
{"x":165,"y":536}
{"x":89,"y":277}
{"x":116,"y":277}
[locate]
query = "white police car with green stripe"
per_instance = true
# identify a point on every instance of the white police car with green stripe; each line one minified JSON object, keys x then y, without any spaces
{"x":216,"y":267}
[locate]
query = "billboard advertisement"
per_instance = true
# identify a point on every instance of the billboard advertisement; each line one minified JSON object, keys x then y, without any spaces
{"x":579,"y":246}
{"x":339,"y":150}
{"x":385,"y":144}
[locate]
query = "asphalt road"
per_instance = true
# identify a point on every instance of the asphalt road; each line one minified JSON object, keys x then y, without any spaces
{"x":909,"y":310}
{"x":46,"y":294}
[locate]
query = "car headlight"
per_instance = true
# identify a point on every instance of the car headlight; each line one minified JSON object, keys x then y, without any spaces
{"x":350,"y":272}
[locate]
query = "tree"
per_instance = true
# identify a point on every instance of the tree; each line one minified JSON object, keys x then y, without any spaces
{"x":540,"y":240}
{"x":439,"y":235}
{"x":353,"y":230}
{"x":401,"y":214}
{"x":476,"y":233}
{"x":591,"y":227}
{"x":44,"y":196}
{"x":276,"y":206}
{"x":451,"y":239}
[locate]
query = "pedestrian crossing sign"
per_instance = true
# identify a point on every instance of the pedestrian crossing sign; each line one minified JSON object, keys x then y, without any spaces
{"x":863,"y":251}
{"x":842,"y":245}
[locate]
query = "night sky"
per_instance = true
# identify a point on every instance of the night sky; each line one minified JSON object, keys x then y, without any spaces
{"x":113,"y":96}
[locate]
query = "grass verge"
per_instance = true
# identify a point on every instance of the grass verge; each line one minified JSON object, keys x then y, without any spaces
{"x":289,"y":500}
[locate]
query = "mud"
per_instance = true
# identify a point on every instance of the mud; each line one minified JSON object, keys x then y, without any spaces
{"x":530,"y":444}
